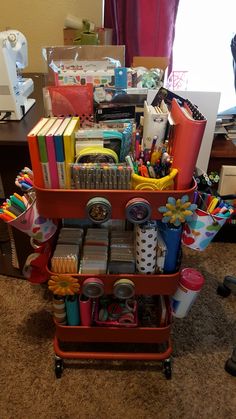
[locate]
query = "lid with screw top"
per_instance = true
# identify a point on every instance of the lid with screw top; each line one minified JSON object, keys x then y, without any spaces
{"x":191,"y":279}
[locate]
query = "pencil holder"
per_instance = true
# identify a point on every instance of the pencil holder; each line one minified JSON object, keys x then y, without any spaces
{"x":165,"y":183}
{"x":200,"y":231}
{"x":34,"y":225}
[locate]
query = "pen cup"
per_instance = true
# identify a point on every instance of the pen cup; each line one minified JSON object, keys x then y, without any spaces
{"x":34,"y":225}
{"x":165,"y":183}
{"x":200,"y":231}
{"x":85,"y":306}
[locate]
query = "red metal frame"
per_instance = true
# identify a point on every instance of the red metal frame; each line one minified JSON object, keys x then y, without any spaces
{"x":69,"y":203}
{"x":82,"y":334}
{"x":158,"y":284}
{"x":144,"y":356}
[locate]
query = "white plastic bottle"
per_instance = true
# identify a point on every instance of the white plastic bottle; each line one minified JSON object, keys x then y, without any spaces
{"x":190,"y":284}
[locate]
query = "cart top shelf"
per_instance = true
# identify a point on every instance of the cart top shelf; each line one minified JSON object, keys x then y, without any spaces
{"x":70,"y":203}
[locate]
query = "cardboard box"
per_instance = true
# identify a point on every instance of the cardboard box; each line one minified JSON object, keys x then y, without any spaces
{"x":104,"y":35}
{"x":85,"y":52}
{"x":76,"y":53}
{"x":69,"y":35}
{"x":151,"y":62}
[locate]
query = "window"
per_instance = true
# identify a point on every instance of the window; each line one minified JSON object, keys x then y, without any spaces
{"x":203,"y":33}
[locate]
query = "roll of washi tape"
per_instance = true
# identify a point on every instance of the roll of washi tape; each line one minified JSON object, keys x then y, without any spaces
{"x":59,"y":310}
{"x":138,"y":210}
{"x":131,"y":305}
{"x":93,"y":287}
{"x":103,"y":315}
{"x":126,"y":318}
{"x":124,"y":288}
{"x":98,"y":210}
{"x":146,"y":247}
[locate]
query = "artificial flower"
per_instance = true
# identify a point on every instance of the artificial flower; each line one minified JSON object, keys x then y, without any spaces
{"x":177,"y":211}
{"x":63,"y":285}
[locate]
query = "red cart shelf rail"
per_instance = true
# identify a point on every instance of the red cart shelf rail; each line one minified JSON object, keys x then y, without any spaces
{"x":70,"y":203}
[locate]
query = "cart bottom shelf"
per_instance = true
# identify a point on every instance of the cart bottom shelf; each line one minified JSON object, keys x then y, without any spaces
{"x":127,"y":352}
{"x":63,"y":351}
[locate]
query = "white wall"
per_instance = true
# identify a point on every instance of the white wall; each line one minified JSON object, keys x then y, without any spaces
{"x":203,"y":34}
{"x":42,"y":22}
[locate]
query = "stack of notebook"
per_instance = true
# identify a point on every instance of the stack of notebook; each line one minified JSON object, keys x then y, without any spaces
{"x":122,"y":255}
{"x":52,"y":150}
{"x":95,"y":251}
{"x":65,"y":258}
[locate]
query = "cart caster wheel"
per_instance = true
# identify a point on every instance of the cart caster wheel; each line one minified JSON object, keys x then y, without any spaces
{"x":230,"y":365}
{"x":58,"y":367}
{"x":167,"y":369}
{"x":223,"y":291}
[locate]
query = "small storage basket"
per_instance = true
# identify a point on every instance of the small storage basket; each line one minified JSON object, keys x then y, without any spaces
{"x":165,"y":183}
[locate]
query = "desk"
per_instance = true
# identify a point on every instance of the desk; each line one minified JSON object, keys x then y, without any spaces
{"x":14,"y":155}
{"x":222,"y":152}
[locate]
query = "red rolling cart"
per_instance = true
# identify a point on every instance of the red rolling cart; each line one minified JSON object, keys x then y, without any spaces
{"x":71,"y":204}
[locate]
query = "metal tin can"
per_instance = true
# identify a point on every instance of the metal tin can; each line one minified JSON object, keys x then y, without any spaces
{"x":138,"y":210}
{"x":124,"y":288}
{"x":98,"y":210}
{"x":93,"y":287}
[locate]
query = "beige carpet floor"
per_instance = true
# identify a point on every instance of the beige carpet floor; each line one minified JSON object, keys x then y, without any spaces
{"x":199,"y":388}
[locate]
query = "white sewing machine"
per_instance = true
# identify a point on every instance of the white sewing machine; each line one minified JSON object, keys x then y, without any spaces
{"x":14,"y":89}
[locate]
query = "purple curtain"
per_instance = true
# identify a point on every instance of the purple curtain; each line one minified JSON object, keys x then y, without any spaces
{"x":146,"y":28}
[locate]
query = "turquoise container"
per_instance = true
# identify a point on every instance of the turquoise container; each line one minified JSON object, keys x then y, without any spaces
{"x":72,"y":310}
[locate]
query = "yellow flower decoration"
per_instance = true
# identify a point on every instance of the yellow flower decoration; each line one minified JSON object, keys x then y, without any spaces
{"x":63,"y":285}
{"x":177,"y":211}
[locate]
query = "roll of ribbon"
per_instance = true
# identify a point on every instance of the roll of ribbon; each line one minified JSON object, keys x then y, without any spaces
{"x":98,"y":210}
{"x":59,"y":310}
{"x":124,"y":288}
{"x":93,"y":287}
{"x":138,"y":210}
{"x":126,"y":318}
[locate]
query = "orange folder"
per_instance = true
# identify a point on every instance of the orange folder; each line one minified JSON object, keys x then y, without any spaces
{"x":34,"y":153}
